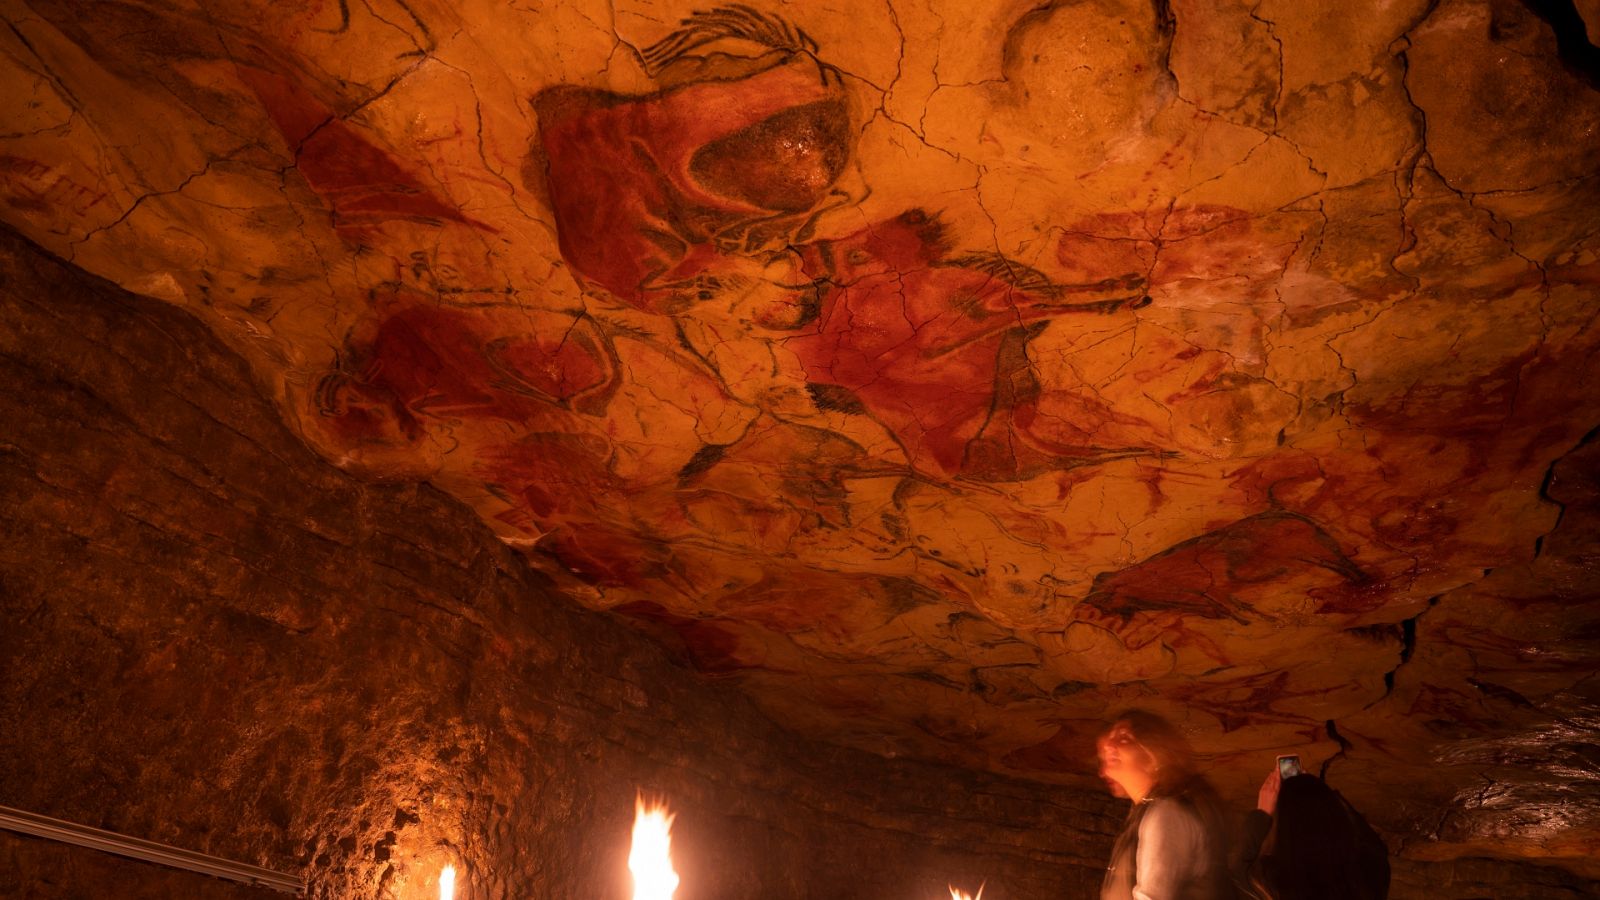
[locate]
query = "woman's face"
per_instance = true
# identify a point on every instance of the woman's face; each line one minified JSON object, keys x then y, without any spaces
{"x":1127,"y":768}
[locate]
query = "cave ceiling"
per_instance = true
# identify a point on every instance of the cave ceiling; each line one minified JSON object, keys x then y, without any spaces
{"x":948,"y":375}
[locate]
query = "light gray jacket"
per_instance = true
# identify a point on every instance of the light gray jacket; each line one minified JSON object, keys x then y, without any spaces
{"x":1172,"y":848}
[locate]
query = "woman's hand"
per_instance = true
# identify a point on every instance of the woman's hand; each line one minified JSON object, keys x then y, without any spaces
{"x":1267,"y":797}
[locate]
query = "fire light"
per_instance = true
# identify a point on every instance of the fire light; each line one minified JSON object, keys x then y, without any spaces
{"x":963,"y":895}
{"x":447,"y":883}
{"x":650,"y":859}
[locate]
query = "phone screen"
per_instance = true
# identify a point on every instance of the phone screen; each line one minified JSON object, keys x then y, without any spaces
{"x":1288,"y":767}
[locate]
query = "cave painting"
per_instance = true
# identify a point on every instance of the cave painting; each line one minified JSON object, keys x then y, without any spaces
{"x":669,"y":199}
{"x":632,"y":451}
{"x":935,"y":347}
{"x":857,"y":449}
{"x":362,"y":185}
{"x":659,"y":198}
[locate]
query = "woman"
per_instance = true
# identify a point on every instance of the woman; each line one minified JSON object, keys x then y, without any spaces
{"x":1312,"y":845}
{"x":1173,"y":846}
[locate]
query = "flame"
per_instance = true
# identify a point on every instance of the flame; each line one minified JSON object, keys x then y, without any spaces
{"x":963,"y":895}
{"x":650,"y":860}
{"x":447,"y":883}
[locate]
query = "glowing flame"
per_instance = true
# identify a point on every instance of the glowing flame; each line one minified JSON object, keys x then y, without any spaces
{"x":447,"y":883}
{"x":963,"y":895}
{"x":650,"y":860}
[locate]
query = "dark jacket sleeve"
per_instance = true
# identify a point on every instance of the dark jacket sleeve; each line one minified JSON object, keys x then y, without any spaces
{"x":1256,"y":826}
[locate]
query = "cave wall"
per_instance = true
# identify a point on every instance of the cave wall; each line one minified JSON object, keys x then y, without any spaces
{"x":215,"y":640}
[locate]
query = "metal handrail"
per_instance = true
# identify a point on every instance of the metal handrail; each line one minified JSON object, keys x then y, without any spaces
{"x":149,"y":851}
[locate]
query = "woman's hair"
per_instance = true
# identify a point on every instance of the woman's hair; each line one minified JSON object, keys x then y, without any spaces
{"x":1168,"y":749}
{"x":1319,"y":848}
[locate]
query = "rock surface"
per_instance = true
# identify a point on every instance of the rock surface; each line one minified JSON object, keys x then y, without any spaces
{"x":946,"y":377}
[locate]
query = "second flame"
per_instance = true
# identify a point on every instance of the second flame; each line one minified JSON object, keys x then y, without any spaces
{"x":650,"y":859}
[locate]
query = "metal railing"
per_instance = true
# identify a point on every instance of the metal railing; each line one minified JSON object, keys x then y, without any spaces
{"x":161,"y":854}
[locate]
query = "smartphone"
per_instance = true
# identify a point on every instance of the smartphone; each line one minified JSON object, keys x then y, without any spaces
{"x":1288,"y":767}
